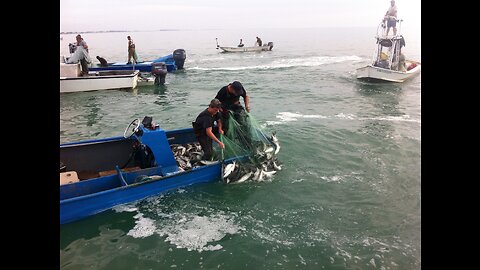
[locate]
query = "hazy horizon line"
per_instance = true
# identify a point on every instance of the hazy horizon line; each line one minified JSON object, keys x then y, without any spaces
{"x":181,"y":29}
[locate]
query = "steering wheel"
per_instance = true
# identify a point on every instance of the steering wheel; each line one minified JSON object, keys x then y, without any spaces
{"x":131,"y":128}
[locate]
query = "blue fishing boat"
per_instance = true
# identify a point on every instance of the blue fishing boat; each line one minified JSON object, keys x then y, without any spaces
{"x":173,"y":62}
{"x":96,"y":175}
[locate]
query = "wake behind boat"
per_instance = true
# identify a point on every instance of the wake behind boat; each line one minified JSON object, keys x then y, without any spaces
{"x":267,"y":47}
{"x":389,"y":63}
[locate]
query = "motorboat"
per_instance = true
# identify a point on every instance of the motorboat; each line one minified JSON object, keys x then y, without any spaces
{"x":173,"y":62}
{"x":170,"y":63}
{"x":389,"y":63}
{"x":267,"y":47}
{"x":72,"y":79}
{"x":96,"y":175}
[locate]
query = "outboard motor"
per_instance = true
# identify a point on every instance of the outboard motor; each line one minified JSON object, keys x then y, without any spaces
{"x":72,"y":47}
{"x":270,"y":45}
{"x":159,"y":70}
{"x":179,"y":56}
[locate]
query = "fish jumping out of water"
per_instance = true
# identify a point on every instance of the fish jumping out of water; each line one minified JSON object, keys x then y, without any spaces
{"x":274,"y":140}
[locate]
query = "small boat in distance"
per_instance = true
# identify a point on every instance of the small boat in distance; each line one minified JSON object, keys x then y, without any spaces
{"x":267,"y":47}
{"x":389,"y":63}
{"x":72,"y":80}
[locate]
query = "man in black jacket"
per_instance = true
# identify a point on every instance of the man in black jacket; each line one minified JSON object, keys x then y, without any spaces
{"x":204,"y":125}
{"x":229,"y":96}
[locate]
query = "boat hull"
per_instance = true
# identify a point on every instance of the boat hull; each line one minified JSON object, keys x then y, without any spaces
{"x":103,"y":80}
{"x":108,"y":173}
{"x":145,"y":67}
{"x":80,"y":207}
{"x":373,"y":73}
{"x":142,"y":66}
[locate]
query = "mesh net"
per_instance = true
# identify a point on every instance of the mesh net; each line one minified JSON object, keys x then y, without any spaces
{"x":243,"y":136}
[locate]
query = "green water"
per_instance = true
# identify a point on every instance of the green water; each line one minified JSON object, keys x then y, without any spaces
{"x":348,"y":194}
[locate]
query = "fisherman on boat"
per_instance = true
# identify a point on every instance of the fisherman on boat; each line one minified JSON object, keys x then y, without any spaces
{"x":391,"y":18}
{"x":258,"y":42}
{"x":131,"y":51}
{"x":203,"y":127}
{"x":229,"y":96}
{"x":80,"y":53}
{"x":241,"y":43}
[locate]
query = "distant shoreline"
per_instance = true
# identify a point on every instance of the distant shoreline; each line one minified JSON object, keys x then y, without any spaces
{"x":115,"y":31}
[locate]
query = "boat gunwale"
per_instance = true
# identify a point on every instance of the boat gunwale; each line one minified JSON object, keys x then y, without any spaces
{"x":179,"y":173}
{"x":95,"y":76}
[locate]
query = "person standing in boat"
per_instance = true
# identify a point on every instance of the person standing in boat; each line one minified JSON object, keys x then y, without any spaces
{"x":82,"y":54}
{"x":131,"y":51}
{"x":81,"y":42}
{"x":241,"y":43}
{"x":391,"y":18}
{"x":204,"y":129}
{"x":229,"y":96}
{"x":259,"y":41}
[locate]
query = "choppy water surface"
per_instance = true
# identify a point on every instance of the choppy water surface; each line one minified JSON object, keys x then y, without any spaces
{"x":348,"y":194}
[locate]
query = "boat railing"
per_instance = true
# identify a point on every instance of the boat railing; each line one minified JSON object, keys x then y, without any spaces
{"x":382,"y":29}
{"x":387,"y":53}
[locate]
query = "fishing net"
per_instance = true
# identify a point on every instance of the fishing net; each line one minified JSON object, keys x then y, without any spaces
{"x":244,"y":136}
{"x":244,"y":139}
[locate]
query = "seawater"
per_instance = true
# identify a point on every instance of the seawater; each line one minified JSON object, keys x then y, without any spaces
{"x":348,"y":194}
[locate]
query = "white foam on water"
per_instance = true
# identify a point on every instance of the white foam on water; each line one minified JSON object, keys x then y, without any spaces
{"x":334,"y":178}
{"x":144,"y":227}
{"x":314,"y":61}
{"x":195,"y":232}
{"x":289,"y":63}
{"x":289,"y":116}
{"x":272,"y":123}
{"x":348,"y":116}
{"x":297,"y":180}
{"x":403,"y":118}
{"x":204,"y":60}
{"x":125,"y":208}
{"x":292,"y":117}
{"x":314,"y":116}
{"x":302,"y":260}
{"x":285,"y":117}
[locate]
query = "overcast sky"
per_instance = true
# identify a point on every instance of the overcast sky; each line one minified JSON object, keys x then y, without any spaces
{"x":131,"y":15}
